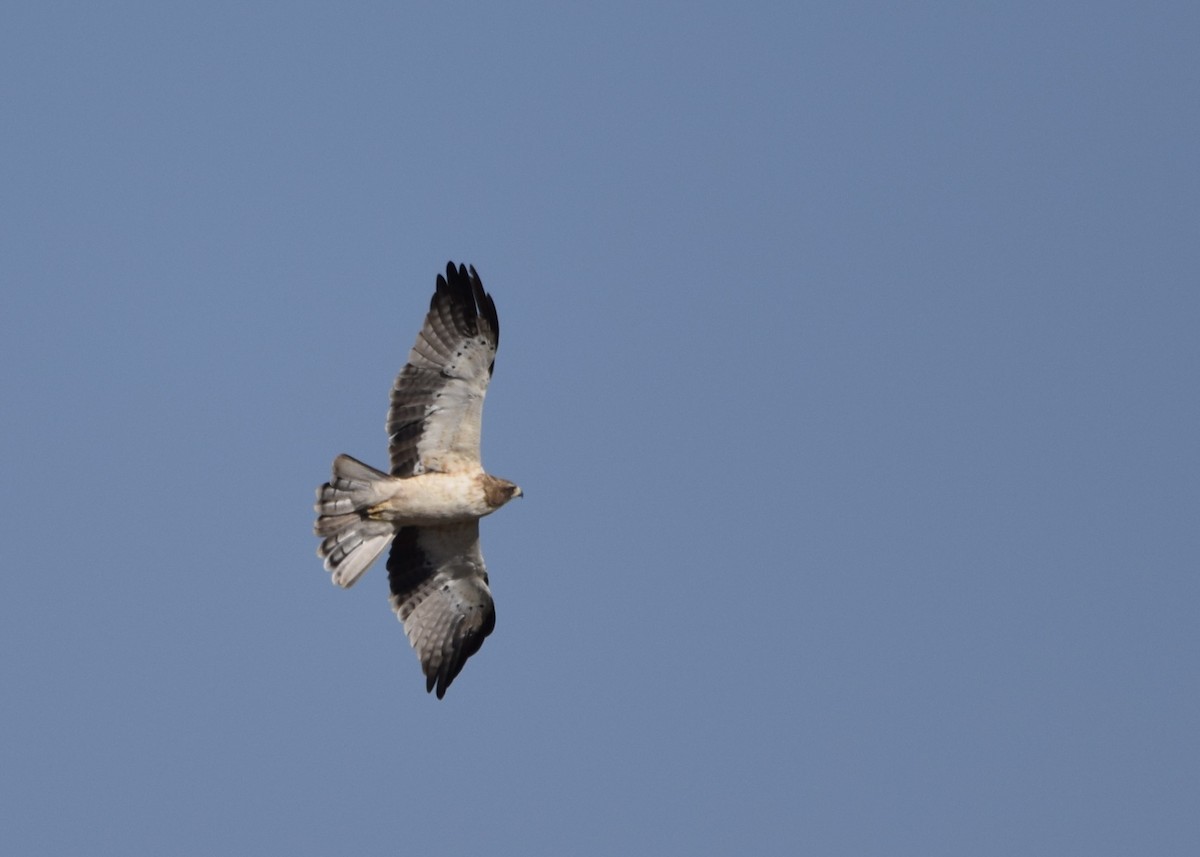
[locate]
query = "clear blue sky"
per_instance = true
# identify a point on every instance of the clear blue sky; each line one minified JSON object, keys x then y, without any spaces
{"x":849,"y":364}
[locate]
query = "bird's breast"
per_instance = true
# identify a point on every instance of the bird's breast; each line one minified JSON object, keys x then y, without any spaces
{"x":431,"y":499}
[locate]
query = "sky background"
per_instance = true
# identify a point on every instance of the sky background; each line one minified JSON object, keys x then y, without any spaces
{"x":849,"y":364}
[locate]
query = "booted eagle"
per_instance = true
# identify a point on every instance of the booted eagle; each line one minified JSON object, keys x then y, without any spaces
{"x":428,"y":507}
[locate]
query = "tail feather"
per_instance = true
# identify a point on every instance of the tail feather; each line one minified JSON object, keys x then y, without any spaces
{"x":352,"y":541}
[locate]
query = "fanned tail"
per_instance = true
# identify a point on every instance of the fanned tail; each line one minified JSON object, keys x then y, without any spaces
{"x":352,"y":540}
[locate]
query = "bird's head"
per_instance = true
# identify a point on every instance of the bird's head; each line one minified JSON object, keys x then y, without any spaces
{"x":497,"y":492}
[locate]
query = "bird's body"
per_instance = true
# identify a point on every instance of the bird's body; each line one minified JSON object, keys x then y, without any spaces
{"x":428,"y":508}
{"x":428,"y":500}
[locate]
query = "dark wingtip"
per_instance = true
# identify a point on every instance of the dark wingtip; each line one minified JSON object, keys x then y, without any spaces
{"x":442,"y":287}
{"x":464,"y":280}
{"x":450,"y":668}
{"x":441,"y":680}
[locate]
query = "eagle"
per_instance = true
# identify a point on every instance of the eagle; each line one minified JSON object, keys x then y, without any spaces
{"x":428,"y":506}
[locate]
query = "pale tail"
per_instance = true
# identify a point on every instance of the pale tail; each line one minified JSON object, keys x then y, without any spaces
{"x":352,"y":541}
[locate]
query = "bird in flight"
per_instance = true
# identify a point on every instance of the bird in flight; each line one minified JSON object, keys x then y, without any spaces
{"x":427,"y":508}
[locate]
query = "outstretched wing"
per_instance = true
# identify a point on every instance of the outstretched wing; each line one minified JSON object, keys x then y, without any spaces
{"x":437,"y":400}
{"x":440,"y":592}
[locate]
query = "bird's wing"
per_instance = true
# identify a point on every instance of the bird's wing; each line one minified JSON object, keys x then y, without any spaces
{"x":437,"y":400}
{"x":440,"y":592}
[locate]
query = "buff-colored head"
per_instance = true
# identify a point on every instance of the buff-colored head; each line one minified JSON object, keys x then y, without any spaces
{"x":497,"y":491}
